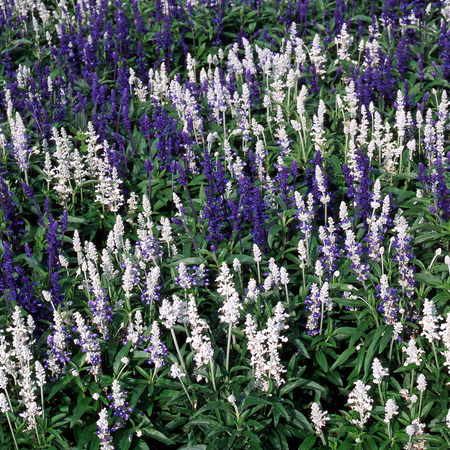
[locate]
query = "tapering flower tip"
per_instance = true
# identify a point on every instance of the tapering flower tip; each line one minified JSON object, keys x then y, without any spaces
{"x":232,"y":399}
{"x":157,"y":349}
{"x":119,"y":405}
{"x":174,"y":312}
{"x":40,"y":374}
{"x":430,"y":321}
{"x":361,"y":403}
{"x":4,"y":406}
{"x":28,"y":191}
{"x":284,"y":277}
{"x":378,"y":371}
{"x":319,"y":418}
{"x":177,"y":221}
{"x":432,"y":209}
{"x":104,"y":431}
{"x":414,"y":353}
{"x":256,"y":253}
{"x":176,"y":372}
{"x":421,"y":383}
{"x":391,"y":410}
{"x":166,"y":231}
{"x":252,"y":291}
{"x":318,"y":268}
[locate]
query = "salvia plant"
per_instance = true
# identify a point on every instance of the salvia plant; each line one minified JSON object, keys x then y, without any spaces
{"x":225,"y":225}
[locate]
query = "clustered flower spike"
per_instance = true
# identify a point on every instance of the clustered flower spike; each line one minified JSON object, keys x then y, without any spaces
{"x":391,"y":410}
{"x":200,"y":342}
{"x":285,"y":150}
{"x":378,"y":371}
{"x":430,"y":321}
{"x":157,"y":349}
{"x":119,"y":406}
{"x":89,"y":345}
{"x":319,"y":418}
{"x":413,"y":352}
{"x":263,"y":346}
{"x":173,"y":313}
{"x":104,"y":431}
{"x":317,"y":301}
{"x":230,"y":311}
{"x":360,"y":402}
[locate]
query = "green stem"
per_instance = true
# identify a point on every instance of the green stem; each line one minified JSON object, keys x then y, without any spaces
{"x":228,"y":347}
{"x":390,"y":351}
{"x":154,"y":373}
{"x":321,"y":317}
{"x":236,"y":410}
{"x":381,"y":394}
{"x":9,"y":400}
{"x":37,"y":433}
{"x":42,"y":402}
{"x":213,"y":379}
{"x":178,"y":350}
{"x":186,"y":392}
{"x":435,"y":356}
{"x":322,"y":437}
{"x":12,"y":432}
{"x":420,"y":404}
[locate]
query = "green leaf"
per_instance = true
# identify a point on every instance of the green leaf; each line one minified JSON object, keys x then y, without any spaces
{"x":137,"y":392}
{"x":204,"y":422}
{"x":322,"y":360}
{"x":79,"y":410}
{"x":122,"y":353}
{"x":157,"y":435}
{"x":193,"y":447}
{"x":308,"y":443}
{"x":72,"y":219}
{"x":281,"y":409}
{"x":343,"y":357}
{"x":125,"y":443}
{"x":252,"y":401}
{"x":428,"y":279}
{"x":302,"y":347}
{"x":288,"y":387}
{"x":58,"y":386}
{"x":308,"y":384}
{"x":209,"y":406}
{"x":372,"y":348}
{"x":274,"y":231}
